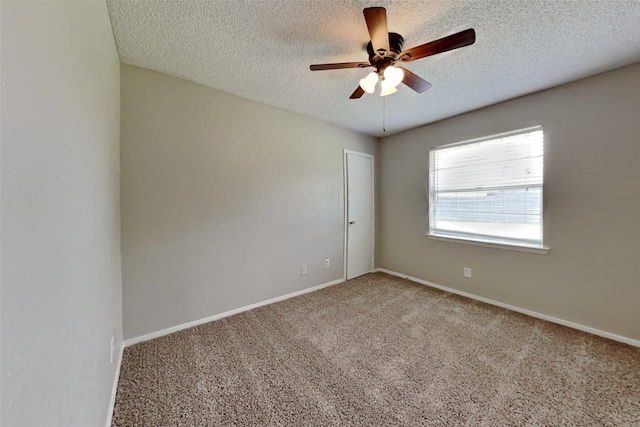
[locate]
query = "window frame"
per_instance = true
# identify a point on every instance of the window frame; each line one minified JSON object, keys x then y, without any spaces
{"x":478,"y":239}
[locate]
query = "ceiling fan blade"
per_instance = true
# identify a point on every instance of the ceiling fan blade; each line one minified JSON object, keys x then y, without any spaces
{"x":376,"y":18}
{"x":339,"y":65}
{"x":414,"y":81}
{"x":454,"y":41}
{"x":357,"y":93}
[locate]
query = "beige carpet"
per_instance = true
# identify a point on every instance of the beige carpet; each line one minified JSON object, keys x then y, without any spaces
{"x":378,"y":351}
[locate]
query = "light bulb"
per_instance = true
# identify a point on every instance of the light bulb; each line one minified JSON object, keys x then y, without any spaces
{"x":368,"y":84}
{"x":386,"y":88}
{"x":393,"y":76}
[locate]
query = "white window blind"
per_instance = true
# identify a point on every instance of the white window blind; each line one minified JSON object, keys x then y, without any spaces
{"x":489,"y":190}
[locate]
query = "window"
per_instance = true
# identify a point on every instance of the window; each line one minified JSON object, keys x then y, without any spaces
{"x":489,"y":190}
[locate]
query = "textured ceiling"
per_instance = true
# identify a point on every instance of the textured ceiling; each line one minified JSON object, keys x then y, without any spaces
{"x":261,"y":50}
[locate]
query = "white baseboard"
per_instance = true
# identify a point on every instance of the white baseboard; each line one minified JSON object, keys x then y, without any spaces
{"x":163,"y":332}
{"x":112,"y":401}
{"x":562,"y":322}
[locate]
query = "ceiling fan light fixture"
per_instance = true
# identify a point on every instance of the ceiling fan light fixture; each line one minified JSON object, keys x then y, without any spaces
{"x":386,"y":88}
{"x":386,"y":49}
{"x":368,"y":84}
{"x":393,"y":76}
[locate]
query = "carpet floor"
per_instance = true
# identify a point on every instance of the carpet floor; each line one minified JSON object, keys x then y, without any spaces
{"x":379,"y":351}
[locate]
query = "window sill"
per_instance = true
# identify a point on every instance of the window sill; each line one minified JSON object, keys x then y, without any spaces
{"x":541,"y":250}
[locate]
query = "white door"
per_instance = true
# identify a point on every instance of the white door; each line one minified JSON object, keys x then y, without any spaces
{"x":359,"y":214}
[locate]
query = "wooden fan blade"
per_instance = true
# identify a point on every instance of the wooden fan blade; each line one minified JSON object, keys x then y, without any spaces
{"x":357,"y":93}
{"x":454,"y":41}
{"x":414,"y":81}
{"x":376,"y":18}
{"x":339,"y":65}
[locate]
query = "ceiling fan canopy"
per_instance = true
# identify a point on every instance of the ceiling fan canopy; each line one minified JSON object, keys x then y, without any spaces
{"x":385,"y":50}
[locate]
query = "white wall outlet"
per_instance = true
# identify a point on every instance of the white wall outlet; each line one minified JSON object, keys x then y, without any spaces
{"x":467,"y":272}
{"x":327,"y":263}
{"x":113,"y":346}
{"x":303,"y":270}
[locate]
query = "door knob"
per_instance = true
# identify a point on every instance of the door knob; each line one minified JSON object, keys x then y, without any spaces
{"x":352,"y":222}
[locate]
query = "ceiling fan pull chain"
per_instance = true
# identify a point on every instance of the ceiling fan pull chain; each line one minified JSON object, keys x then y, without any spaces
{"x":383,"y":111}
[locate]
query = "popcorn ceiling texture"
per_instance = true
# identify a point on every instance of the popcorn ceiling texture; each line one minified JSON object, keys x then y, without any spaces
{"x":378,"y":351}
{"x":261,"y":50}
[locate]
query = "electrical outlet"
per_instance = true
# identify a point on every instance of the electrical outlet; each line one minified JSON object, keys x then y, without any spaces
{"x":303,"y":270}
{"x":467,"y":272}
{"x":327,"y":263}
{"x":113,"y":346}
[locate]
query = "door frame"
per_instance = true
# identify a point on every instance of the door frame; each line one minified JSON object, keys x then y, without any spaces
{"x":346,"y":206}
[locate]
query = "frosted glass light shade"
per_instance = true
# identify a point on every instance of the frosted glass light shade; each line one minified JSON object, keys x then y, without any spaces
{"x":368,"y":84}
{"x":393,"y":76}
{"x":386,"y":88}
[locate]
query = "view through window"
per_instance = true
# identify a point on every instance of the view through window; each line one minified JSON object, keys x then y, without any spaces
{"x":489,"y":190}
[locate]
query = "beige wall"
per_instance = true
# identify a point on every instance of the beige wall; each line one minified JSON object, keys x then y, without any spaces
{"x":592,"y":206}
{"x":61,"y":287}
{"x":223,"y":200}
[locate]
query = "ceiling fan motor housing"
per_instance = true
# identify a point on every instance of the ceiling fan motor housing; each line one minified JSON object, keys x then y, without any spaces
{"x":395,"y":47}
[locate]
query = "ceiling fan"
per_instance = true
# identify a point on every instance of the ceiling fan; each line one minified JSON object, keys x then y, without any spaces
{"x":385,"y":49}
